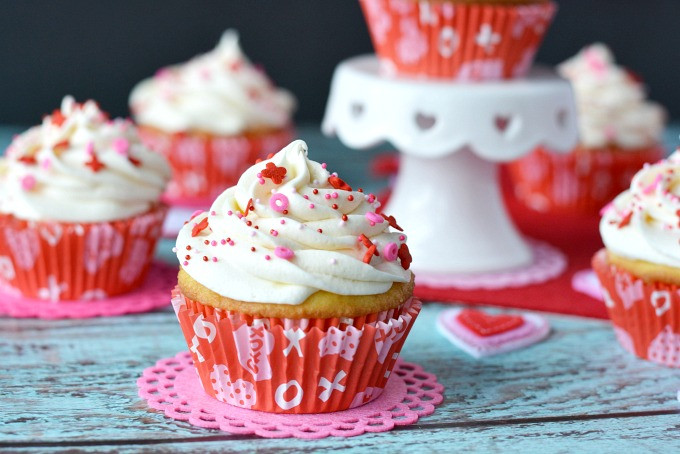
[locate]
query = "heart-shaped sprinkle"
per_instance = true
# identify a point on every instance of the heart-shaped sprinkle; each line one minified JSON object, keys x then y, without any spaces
{"x":486,"y":324}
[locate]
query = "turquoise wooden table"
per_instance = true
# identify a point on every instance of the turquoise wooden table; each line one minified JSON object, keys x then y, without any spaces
{"x":70,"y":384}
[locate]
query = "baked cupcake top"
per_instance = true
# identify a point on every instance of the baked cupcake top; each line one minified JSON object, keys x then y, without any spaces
{"x":643,"y":222}
{"x":288,"y":229}
{"x":219,"y":92}
{"x":611,"y":101}
{"x":80,"y":166}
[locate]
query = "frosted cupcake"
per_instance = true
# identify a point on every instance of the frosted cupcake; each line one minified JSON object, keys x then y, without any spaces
{"x":211,"y":117}
{"x":465,"y":40}
{"x":620,"y":130}
{"x":79,"y":206}
{"x":639,"y":268}
{"x":294,"y":296}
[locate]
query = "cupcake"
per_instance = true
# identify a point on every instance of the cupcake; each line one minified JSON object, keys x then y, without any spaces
{"x":211,"y":117}
{"x":79,"y":206}
{"x":619,"y":131}
{"x":639,"y":269}
{"x":465,"y":40}
{"x":294,"y":296}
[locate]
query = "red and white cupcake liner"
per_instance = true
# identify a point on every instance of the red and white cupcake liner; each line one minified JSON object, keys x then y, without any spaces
{"x":293,"y":365}
{"x":579,"y":182}
{"x":59,"y":261}
{"x":204,"y":165}
{"x":646,"y":315}
{"x":446,"y":39}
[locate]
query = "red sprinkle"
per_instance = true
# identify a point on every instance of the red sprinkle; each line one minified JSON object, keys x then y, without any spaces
{"x":198,"y":228}
{"x":134,"y":161}
{"x":94,"y":164}
{"x":344,"y":217}
{"x":404,"y":256}
{"x":334,"y":206}
{"x":252,"y":249}
{"x":319,"y":230}
{"x":30,"y":160}
{"x":57,"y":118}
{"x":392,"y":222}
{"x":369,"y":253}
{"x":276,"y":174}
{"x":187,"y":257}
{"x":350,"y":197}
{"x":626,"y":220}
{"x":205,"y":259}
{"x":315,"y":191}
{"x":337,"y":183}
{"x":188,"y":248}
{"x":249,"y":207}
{"x":206,"y":242}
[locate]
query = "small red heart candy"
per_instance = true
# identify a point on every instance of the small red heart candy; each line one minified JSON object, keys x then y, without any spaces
{"x":484,"y":324}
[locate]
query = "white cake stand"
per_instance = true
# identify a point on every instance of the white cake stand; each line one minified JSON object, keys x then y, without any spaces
{"x":451,"y":137}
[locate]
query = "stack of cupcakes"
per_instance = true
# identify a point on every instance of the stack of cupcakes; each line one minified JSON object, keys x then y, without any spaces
{"x":211,"y":117}
{"x":294,"y":296}
{"x":79,"y":206}
{"x":619,"y":131}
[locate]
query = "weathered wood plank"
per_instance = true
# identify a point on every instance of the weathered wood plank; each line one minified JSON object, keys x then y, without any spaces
{"x":75,"y":380}
{"x":635,"y":434}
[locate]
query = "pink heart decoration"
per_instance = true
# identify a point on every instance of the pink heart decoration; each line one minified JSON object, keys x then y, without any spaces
{"x":513,"y":335}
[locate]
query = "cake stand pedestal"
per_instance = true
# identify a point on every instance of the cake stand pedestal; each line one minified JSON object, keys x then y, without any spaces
{"x":451,"y":137}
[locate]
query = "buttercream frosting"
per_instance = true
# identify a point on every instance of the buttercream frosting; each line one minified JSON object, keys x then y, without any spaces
{"x":611,"y":102}
{"x":288,"y":229}
{"x":219,"y":92}
{"x":80,"y":166}
{"x":643,"y":222}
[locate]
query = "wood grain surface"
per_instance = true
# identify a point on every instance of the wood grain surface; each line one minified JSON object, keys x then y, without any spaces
{"x":70,"y":385}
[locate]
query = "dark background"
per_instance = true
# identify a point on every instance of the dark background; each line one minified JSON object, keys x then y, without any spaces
{"x":101,"y":49}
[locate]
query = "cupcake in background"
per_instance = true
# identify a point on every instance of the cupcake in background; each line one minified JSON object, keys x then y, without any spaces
{"x":464,"y":40}
{"x":211,"y":117}
{"x":639,"y":269}
{"x":79,"y":206}
{"x":620,"y":130}
{"x":294,"y":296}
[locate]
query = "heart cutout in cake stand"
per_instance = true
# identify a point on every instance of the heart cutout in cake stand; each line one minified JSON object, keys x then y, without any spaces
{"x":152,"y":294}
{"x":172,"y":386}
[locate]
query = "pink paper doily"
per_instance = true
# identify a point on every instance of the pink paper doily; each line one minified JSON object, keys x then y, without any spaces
{"x":549,"y":262}
{"x":173,"y":387}
{"x":154,"y":293}
{"x":585,"y":281}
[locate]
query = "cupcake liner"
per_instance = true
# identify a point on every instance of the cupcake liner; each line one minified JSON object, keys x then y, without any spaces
{"x":446,"y":39}
{"x":204,"y":165}
{"x":582,"y":181}
{"x":646,"y":315}
{"x":293,"y":366}
{"x":68,"y":261}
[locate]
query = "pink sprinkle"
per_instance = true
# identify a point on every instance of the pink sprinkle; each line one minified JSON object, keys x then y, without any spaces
{"x":27,"y":182}
{"x":162,"y":73}
{"x":278,"y":202}
{"x":231,"y":243}
{"x":653,"y":185}
{"x":283,"y":253}
{"x":374,"y":218}
{"x":214,"y":259}
{"x":121,"y":145}
{"x":390,"y":251}
{"x":327,"y":196}
{"x":46,"y":163}
{"x":223,"y":241}
{"x":371,"y":223}
{"x":212,"y":213}
{"x":323,"y":165}
{"x":274,"y":232}
{"x":283,"y":221}
{"x":334,"y":195}
{"x":196,"y":213}
{"x":402,"y":237}
{"x":213,"y":243}
{"x":311,"y":205}
{"x":259,"y":175}
{"x":261,"y":181}
{"x":371,"y":198}
{"x":267,"y":257}
{"x":229,"y":213}
{"x":185,"y":263}
{"x":306,"y":197}
{"x":89,"y":148}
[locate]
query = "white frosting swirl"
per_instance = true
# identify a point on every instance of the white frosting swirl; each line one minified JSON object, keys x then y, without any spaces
{"x":276,"y":256}
{"x":643,"y":222}
{"x":79,"y":166}
{"x":611,"y":102}
{"x":219,"y":92}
